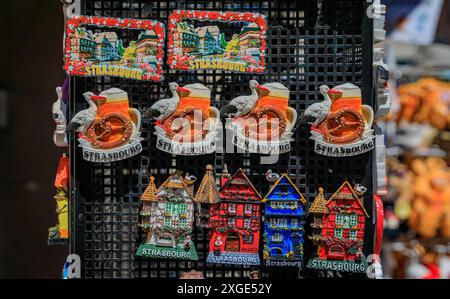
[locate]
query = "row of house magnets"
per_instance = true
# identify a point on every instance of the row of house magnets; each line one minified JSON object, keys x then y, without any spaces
{"x":230,"y":208}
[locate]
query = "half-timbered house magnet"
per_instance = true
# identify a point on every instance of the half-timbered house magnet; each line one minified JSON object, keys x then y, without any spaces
{"x":262,"y":122}
{"x":197,"y":46}
{"x":59,"y":234}
{"x":341,"y":125}
{"x":338,"y":230}
{"x":283,"y":224}
{"x":235,"y":222}
{"x":109,"y":129}
{"x":104,"y":53}
{"x":186,"y":124}
{"x":167,"y":218}
{"x":207,"y":195}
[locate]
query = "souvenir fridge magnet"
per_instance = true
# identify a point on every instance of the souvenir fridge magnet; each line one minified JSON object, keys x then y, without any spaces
{"x":103,"y":53}
{"x":338,"y":230}
{"x":59,"y":234}
{"x":340,"y":125}
{"x":206,"y":196}
{"x":198,"y":41}
{"x":186,"y":124}
{"x":59,"y":111}
{"x":262,"y":122}
{"x":167,"y":218}
{"x":283,"y":224}
{"x":109,"y":129}
{"x":235,"y":222}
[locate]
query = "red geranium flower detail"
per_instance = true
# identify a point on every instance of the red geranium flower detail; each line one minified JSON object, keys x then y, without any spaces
{"x":214,"y":15}
{"x":247,"y":16}
{"x":229,"y":14}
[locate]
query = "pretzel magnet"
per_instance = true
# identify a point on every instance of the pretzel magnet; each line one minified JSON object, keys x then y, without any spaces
{"x":340,"y":125}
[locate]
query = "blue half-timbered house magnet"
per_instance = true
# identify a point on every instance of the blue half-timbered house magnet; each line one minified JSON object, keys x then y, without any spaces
{"x":283,"y":225}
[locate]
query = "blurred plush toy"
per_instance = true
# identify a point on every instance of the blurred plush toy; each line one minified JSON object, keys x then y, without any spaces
{"x":431,"y":202}
{"x":425,"y":101}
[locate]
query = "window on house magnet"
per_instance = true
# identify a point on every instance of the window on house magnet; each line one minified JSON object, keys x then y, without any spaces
{"x":167,"y":221}
{"x":338,"y":233}
{"x":168,"y":207}
{"x":281,"y":221}
{"x":182,"y":222}
{"x":294,"y":222}
{"x":347,"y":221}
{"x":183,"y":208}
{"x":247,"y":223}
{"x":232,"y":208}
{"x":339,"y":219}
{"x":353,"y":220}
{"x":231,"y":222}
{"x":248,"y":209}
{"x":353,"y":234}
{"x":277,"y":237}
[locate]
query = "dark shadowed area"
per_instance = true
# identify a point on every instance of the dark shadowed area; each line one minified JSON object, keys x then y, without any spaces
{"x":31,"y":68}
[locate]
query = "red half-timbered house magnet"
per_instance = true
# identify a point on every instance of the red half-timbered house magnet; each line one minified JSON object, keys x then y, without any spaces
{"x":235,"y":222}
{"x":340,"y":243}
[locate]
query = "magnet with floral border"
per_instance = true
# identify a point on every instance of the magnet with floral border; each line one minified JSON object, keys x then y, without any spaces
{"x":341,"y":125}
{"x":192,"y":46}
{"x":90,"y":54}
{"x":262,"y":122}
{"x":338,"y":230}
{"x":109,"y":129}
{"x":186,"y":124}
{"x":167,"y":217}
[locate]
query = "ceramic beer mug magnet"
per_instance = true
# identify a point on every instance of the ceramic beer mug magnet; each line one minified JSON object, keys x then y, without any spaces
{"x":262,"y":122}
{"x":340,"y":125}
{"x":186,"y":124}
{"x":109,"y":129}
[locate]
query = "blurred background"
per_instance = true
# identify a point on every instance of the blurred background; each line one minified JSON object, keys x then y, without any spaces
{"x":31,"y":52}
{"x":417,"y":206}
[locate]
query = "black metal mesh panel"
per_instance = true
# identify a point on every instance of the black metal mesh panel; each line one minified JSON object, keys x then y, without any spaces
{"x":309,"y":44}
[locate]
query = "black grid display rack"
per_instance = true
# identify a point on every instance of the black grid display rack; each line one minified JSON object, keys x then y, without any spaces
{"x":310,"y":43}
